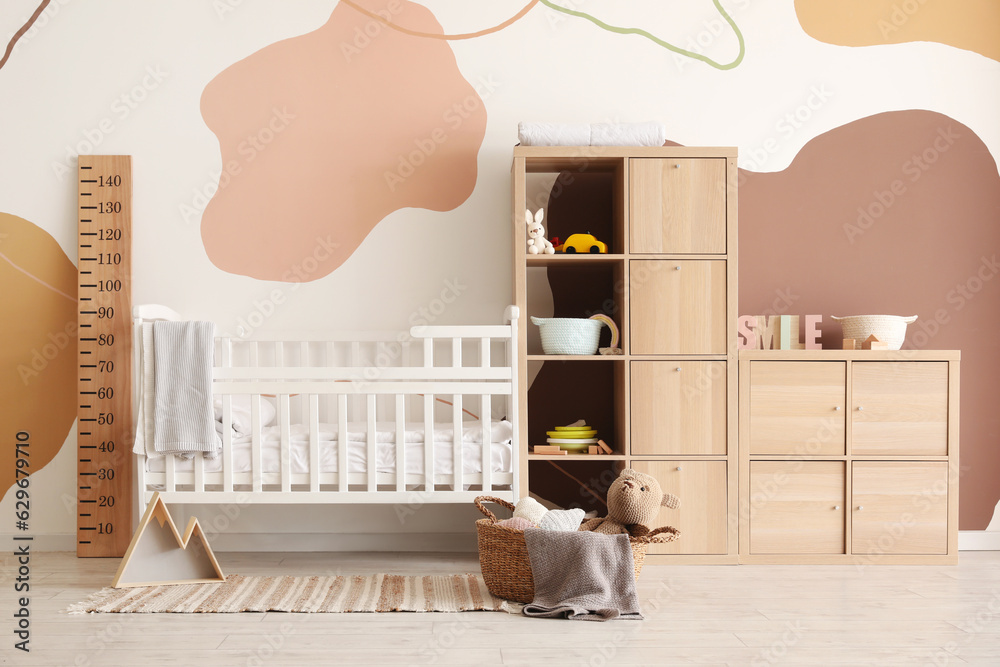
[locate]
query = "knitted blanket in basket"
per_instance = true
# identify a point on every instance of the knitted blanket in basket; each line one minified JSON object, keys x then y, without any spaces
{"x":581,"y":576}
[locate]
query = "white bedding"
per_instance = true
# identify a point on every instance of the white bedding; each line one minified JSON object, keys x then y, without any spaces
{"x":357,"y":449}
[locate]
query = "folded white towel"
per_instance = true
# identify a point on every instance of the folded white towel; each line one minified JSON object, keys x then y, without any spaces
{"x":627,"y":134}
{"x":553,"y":134}
{"x":596,"y":134}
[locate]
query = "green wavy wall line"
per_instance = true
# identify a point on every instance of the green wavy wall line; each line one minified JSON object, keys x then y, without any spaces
{"x":656,"y":40}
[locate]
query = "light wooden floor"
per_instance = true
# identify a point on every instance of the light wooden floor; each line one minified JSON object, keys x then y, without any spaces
{"x":746,"y":615}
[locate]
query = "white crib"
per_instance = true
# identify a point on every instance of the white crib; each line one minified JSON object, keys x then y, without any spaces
{"x":379,"y":393}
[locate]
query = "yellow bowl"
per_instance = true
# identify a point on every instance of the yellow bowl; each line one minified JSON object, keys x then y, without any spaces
{"x":572,"y":434}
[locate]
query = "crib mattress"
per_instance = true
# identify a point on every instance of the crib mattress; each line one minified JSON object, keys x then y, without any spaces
{"x":357,"y":449}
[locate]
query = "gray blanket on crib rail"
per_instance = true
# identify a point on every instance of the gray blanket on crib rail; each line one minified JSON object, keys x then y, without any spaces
{"x":183,"y":416}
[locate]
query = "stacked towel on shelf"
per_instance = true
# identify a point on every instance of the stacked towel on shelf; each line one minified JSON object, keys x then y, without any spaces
{"x":595,"y":134}
{"x":553,"y":134}
{"x":627,"y":134}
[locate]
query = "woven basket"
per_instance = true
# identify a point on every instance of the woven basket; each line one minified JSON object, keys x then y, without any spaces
{"x":574,"y":335}
{"x":889,"y":329}
{"x":503,"y":556}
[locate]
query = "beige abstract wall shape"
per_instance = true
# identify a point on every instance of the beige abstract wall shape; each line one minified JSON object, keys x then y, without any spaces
{"x":973,"y":25}
{"x":37,"y":343}
{"x":325,"y":134}
{"x":895,"y":213}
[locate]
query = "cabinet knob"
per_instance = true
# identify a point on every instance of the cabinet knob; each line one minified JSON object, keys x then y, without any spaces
{"x":678,"y":369}
{"x":836,"y":507}
{"x":677,"y":268}
{"x":861,"y":507}
{"x":678,"y":467}
{"x":677,"y":165}
{"x":861,"y":408}
{"x":837,"y":407}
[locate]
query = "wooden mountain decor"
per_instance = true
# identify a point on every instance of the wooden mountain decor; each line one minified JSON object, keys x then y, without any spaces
{"x":159,"y":556}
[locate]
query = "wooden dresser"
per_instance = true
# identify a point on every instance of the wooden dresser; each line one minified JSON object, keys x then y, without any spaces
{"x":848,"y":456}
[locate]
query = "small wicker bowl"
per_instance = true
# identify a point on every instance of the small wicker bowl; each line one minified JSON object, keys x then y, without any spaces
{"x":574,"y":335}
{"x":890,"y":329}
{"x":503,"y":555}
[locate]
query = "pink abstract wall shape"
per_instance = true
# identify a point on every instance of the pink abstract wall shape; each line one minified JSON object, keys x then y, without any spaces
{"x":894,"y":213}
{"x":325,"y":134}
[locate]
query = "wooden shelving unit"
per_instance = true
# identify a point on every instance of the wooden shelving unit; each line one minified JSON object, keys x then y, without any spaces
{"x":669,"y":281}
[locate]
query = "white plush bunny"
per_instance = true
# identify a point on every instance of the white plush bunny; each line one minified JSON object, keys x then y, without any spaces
{"x":536,"y":234}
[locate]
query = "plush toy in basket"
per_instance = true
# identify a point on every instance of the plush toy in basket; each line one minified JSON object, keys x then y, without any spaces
{"x":634,"y":500}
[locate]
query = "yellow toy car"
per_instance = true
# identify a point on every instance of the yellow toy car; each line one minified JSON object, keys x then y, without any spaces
{"x":583,"y":243}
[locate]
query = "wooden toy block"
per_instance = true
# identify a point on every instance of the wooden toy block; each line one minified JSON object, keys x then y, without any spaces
{"x":872,"y":340}
{"x":593,"y":449}
{"x":879,"y":345}
{"x":851,"y":344}
{"x":604,"y":447}
{"x":813,"y":333}
{"x":547,"y":449}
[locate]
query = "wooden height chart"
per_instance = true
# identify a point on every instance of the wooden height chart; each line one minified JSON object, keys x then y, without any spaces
{"x":104,"y":416}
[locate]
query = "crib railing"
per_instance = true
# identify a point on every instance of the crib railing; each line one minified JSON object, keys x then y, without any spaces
{"x":433,"y":376}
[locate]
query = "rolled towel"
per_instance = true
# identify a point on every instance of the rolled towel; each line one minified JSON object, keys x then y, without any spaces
{"x":562,"y":519}
{"x":628,"y":134}
{"x":517,"y":523}
{"x":530,"y":509}
{"x":553,"y":134}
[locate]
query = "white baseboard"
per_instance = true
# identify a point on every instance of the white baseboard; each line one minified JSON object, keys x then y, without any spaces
{"x":968,"y":540}
{"x":979,"y":540}
{"x":53,"y":542}
{"x":355,"y":542}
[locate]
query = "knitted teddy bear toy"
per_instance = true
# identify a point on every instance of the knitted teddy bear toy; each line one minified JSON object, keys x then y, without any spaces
{"x":537,"y":243}
{"x":634,"y":500}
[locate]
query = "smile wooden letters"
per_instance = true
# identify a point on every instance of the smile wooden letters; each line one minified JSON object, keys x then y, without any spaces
{"x":780,"y":332}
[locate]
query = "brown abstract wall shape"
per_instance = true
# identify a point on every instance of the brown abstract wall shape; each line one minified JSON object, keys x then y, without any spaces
{"x":973,"y":25}
{"x":324,"y":135}
{"x":20,"y":32}
{"x":37,"y":343}
{"x":897,"y":213}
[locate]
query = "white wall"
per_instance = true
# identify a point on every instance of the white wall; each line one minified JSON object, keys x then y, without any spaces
{"x":66,"y":76}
